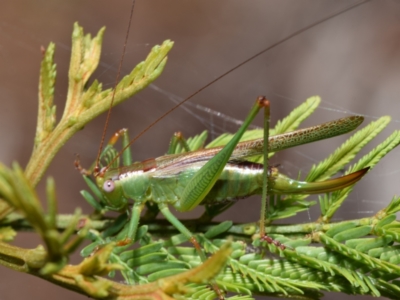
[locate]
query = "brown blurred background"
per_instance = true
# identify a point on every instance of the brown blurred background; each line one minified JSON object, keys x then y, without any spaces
{"x":352,"y":61}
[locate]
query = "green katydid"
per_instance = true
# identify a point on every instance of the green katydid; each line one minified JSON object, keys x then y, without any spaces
{"x":215,"y":175}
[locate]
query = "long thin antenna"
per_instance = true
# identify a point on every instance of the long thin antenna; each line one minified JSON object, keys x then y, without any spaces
{"x":333,"y":15}
{"x":96,"y":168}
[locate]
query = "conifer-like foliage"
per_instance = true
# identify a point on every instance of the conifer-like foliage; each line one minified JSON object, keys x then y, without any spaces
{"x":355,"y":256}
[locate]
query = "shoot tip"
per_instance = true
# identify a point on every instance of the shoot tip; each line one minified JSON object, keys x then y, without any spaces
{"x":262,"y":101}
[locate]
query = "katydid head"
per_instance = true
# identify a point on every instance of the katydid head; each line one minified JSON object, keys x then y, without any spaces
{"x":112,"y":191}
{"x":110,"y":188}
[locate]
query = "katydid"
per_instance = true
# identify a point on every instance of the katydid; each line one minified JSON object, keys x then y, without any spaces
{"x":216,"y":175}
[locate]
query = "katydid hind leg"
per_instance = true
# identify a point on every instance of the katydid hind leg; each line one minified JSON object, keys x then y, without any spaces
{"x":265,"y":177}
{"x":264,"y":198}
{"x":201,"y":183}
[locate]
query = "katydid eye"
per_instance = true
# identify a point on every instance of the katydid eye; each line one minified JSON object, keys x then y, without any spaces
{"x":108,"y":186}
